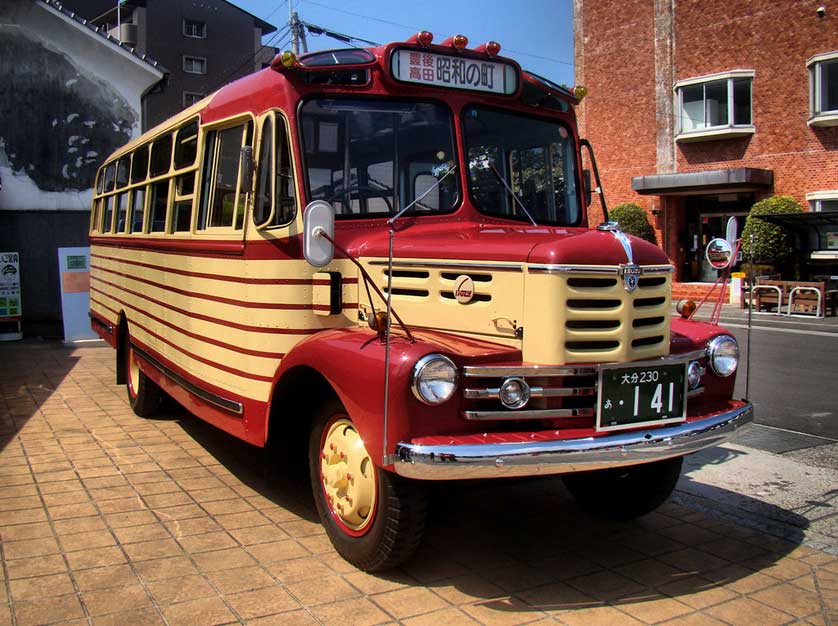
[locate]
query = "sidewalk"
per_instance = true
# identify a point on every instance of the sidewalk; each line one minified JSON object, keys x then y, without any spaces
{"x":106,"y":518}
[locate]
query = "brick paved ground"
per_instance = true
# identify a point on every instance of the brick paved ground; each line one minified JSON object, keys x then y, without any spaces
{"x":106,"y":518}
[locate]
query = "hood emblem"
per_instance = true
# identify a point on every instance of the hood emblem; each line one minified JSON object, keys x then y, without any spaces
{"x":631,"y":275}
{"x":464,"y":289}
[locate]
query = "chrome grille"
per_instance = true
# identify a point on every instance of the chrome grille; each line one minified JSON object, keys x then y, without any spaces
{"x":555,"y":393}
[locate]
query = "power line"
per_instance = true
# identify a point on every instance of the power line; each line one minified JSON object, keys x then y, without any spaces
{"x":415,"y":29}
{"x":319,"y":30}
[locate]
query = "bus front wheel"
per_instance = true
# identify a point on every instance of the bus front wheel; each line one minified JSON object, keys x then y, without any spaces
{"x":144,"y":395}
{"x":374,"y":518}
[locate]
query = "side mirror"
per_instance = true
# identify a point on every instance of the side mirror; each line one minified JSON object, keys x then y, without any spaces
{"x":247,"y":168}
{"x":586,"y":187}
{"x":318,"y":218}
{"x":719,"y":253}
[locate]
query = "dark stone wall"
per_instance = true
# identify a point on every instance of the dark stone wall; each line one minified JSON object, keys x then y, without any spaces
{"x":37,"y":235}
{"x":56,"y":124}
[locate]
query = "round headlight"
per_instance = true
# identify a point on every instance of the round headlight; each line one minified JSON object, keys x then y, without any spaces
{"x":723,"y":355}
{"x":434,"y":379}
{"x":514,"y":393}
{"x":694,"y":374}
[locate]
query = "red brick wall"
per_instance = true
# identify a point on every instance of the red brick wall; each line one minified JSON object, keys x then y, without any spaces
{"x":615,"y":60}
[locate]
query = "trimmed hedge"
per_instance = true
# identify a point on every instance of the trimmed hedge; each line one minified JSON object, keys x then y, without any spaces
{"x":634,"y":221}
{"x":773,"y":245}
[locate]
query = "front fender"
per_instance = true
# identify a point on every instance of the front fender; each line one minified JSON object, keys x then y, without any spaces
{"x":352,"y":362}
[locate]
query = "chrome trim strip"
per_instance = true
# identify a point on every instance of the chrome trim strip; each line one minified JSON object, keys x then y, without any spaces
{"x":228,"y":405}
{"x":453,"y":264}
{"x":626,"y":243}
{"x":493,"y":393}
{"x":495,"y":460}
{"x":537,"y":414}
{"x":531,"y":370}
{"x":543,"y":268}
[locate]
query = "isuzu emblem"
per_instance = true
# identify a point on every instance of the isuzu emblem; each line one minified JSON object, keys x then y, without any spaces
{"x":464,"y":289}
{"x":631,"y":275}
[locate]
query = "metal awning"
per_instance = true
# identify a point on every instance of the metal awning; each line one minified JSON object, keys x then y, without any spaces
{"x":802,"y":222}
{"x":710,"y":181}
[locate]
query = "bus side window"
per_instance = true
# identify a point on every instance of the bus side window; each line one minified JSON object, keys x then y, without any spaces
{"x":161,"y":155}
{"x":96,"y":215}
{"x":137,"y":210}
{"x":159,"y":204}
{"x":107,"y":225}
{"x":286,"y":196}
{"x":264,"y":187}
{"x":222,"y":198}
{"x":139,"y":167}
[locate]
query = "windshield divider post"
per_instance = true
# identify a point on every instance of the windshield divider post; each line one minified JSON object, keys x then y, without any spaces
{"x":512,"y":193}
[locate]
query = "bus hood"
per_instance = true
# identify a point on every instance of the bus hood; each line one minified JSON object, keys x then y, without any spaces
{"x":469,"y":241}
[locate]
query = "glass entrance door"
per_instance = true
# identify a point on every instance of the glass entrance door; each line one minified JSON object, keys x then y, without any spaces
{"x":712,"y":225}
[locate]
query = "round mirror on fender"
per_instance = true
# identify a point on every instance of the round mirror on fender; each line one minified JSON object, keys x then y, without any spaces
{"x":318,"y":219}
{"x":719,"y":253}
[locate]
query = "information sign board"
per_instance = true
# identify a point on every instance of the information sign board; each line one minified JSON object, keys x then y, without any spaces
{"x":10,"y":309}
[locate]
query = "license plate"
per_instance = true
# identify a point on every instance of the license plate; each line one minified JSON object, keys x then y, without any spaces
{"x":642,"y":395}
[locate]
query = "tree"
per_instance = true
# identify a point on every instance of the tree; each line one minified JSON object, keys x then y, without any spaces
{"x":773,"y":245}
{"x":633,"y":220}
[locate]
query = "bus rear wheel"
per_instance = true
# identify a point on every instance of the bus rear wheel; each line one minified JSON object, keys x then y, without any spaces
{"x":625,"y":493}
{"x":374,"y":518}
{"x":144,"y":395}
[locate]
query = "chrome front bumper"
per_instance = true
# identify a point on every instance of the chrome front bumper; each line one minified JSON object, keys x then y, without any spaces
{"x":496,"y":460}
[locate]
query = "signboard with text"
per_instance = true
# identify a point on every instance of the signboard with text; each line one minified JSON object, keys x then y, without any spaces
{"x":442,"y":70}
{"x":74,"y":269}
{"x":10,"y":309}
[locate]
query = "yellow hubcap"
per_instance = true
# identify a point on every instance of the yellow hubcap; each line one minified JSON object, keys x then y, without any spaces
{"x":348,"y":475}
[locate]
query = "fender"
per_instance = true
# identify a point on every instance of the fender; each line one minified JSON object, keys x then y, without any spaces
{"x":352,"y":362}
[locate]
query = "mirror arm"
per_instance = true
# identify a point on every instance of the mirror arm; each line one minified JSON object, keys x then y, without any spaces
{"x":600,"y":193}
{"x":320,"y":232}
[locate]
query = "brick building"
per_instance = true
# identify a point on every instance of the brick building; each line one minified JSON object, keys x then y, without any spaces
{"x":698,"y":108}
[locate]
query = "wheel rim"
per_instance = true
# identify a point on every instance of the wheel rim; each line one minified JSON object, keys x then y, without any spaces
{"x":347,"y":476}
{"x":133,"y":372}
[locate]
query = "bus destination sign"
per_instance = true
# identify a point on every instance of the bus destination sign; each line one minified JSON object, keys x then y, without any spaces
{"x":440,"y":70}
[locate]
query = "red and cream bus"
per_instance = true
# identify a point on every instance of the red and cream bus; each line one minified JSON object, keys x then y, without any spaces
{"x":382,"y":259}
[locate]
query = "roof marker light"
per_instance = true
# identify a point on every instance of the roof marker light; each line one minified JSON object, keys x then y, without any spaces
{"x":458,"y":42}
{"x":579,"y":92}
{"x":423,"y":38}
{"x":285,"y":60}
{"x":490,"y":48}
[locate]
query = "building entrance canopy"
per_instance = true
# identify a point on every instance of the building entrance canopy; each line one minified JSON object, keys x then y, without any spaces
{"x":689,"y":183}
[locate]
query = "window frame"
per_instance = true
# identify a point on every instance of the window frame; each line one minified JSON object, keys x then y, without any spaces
{"x":198,"y":94}
{"x":814,"y":68}
{"x":202,"y":23}
{"x":204,"y":167}
{"x":194,"y":58}
{"x":277,"y":117}
{"x":817,"y":198}
{"x":731,"y":130}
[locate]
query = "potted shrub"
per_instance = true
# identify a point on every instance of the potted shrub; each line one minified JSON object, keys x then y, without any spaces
{"x":634,"y":221}
{"x":773,"y":246}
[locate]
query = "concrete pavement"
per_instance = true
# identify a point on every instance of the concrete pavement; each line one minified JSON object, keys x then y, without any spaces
{"x":106,"y":518}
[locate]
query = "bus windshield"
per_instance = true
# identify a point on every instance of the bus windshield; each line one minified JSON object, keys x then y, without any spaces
{"x":370,"y":158}
{"x":532,"y":158}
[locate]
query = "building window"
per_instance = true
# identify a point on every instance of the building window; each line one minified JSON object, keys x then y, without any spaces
{"x":195,"y":28}
{"x":194,"y":65}
{"x":823,"y":89}
{"x":823,"y":201}
{"x":191,"y":97}
{"x":714,"y":107}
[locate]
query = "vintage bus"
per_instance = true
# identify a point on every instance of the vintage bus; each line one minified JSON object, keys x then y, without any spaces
{"x":380,"y":260}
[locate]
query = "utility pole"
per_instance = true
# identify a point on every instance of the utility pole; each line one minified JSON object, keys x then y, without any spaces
{"x":298,"y":32}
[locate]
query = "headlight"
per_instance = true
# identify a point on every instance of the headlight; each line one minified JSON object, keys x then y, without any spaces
{"x":723,"y":355}
{"x":434,"y":379}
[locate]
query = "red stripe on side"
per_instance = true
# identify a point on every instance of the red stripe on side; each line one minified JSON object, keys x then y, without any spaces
{"x":211,"y":298}
{"x":207,"y":318}
{"x":105,"y":306}
{"x":233,"y":279}
{"x":205,"y":339}
{"x":208,"y":248}
{"x":200,"y":359}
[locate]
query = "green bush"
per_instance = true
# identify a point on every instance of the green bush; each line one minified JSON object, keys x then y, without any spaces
{"x":773,"y":245}
{"x":633,"y":220}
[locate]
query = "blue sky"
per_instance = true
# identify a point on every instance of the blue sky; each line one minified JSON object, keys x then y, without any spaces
{"x":538,"y":34}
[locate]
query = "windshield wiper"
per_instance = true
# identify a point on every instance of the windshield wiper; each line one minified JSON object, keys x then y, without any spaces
{"x":512,"y":193}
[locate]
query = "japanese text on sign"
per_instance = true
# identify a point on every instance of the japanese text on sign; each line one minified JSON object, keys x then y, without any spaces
{"x":448,"y":71}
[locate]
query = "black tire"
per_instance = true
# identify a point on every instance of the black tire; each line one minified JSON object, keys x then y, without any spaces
{"x":625,"y":493}
{"x":373,"y":538}
{"x":144,"y":395}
